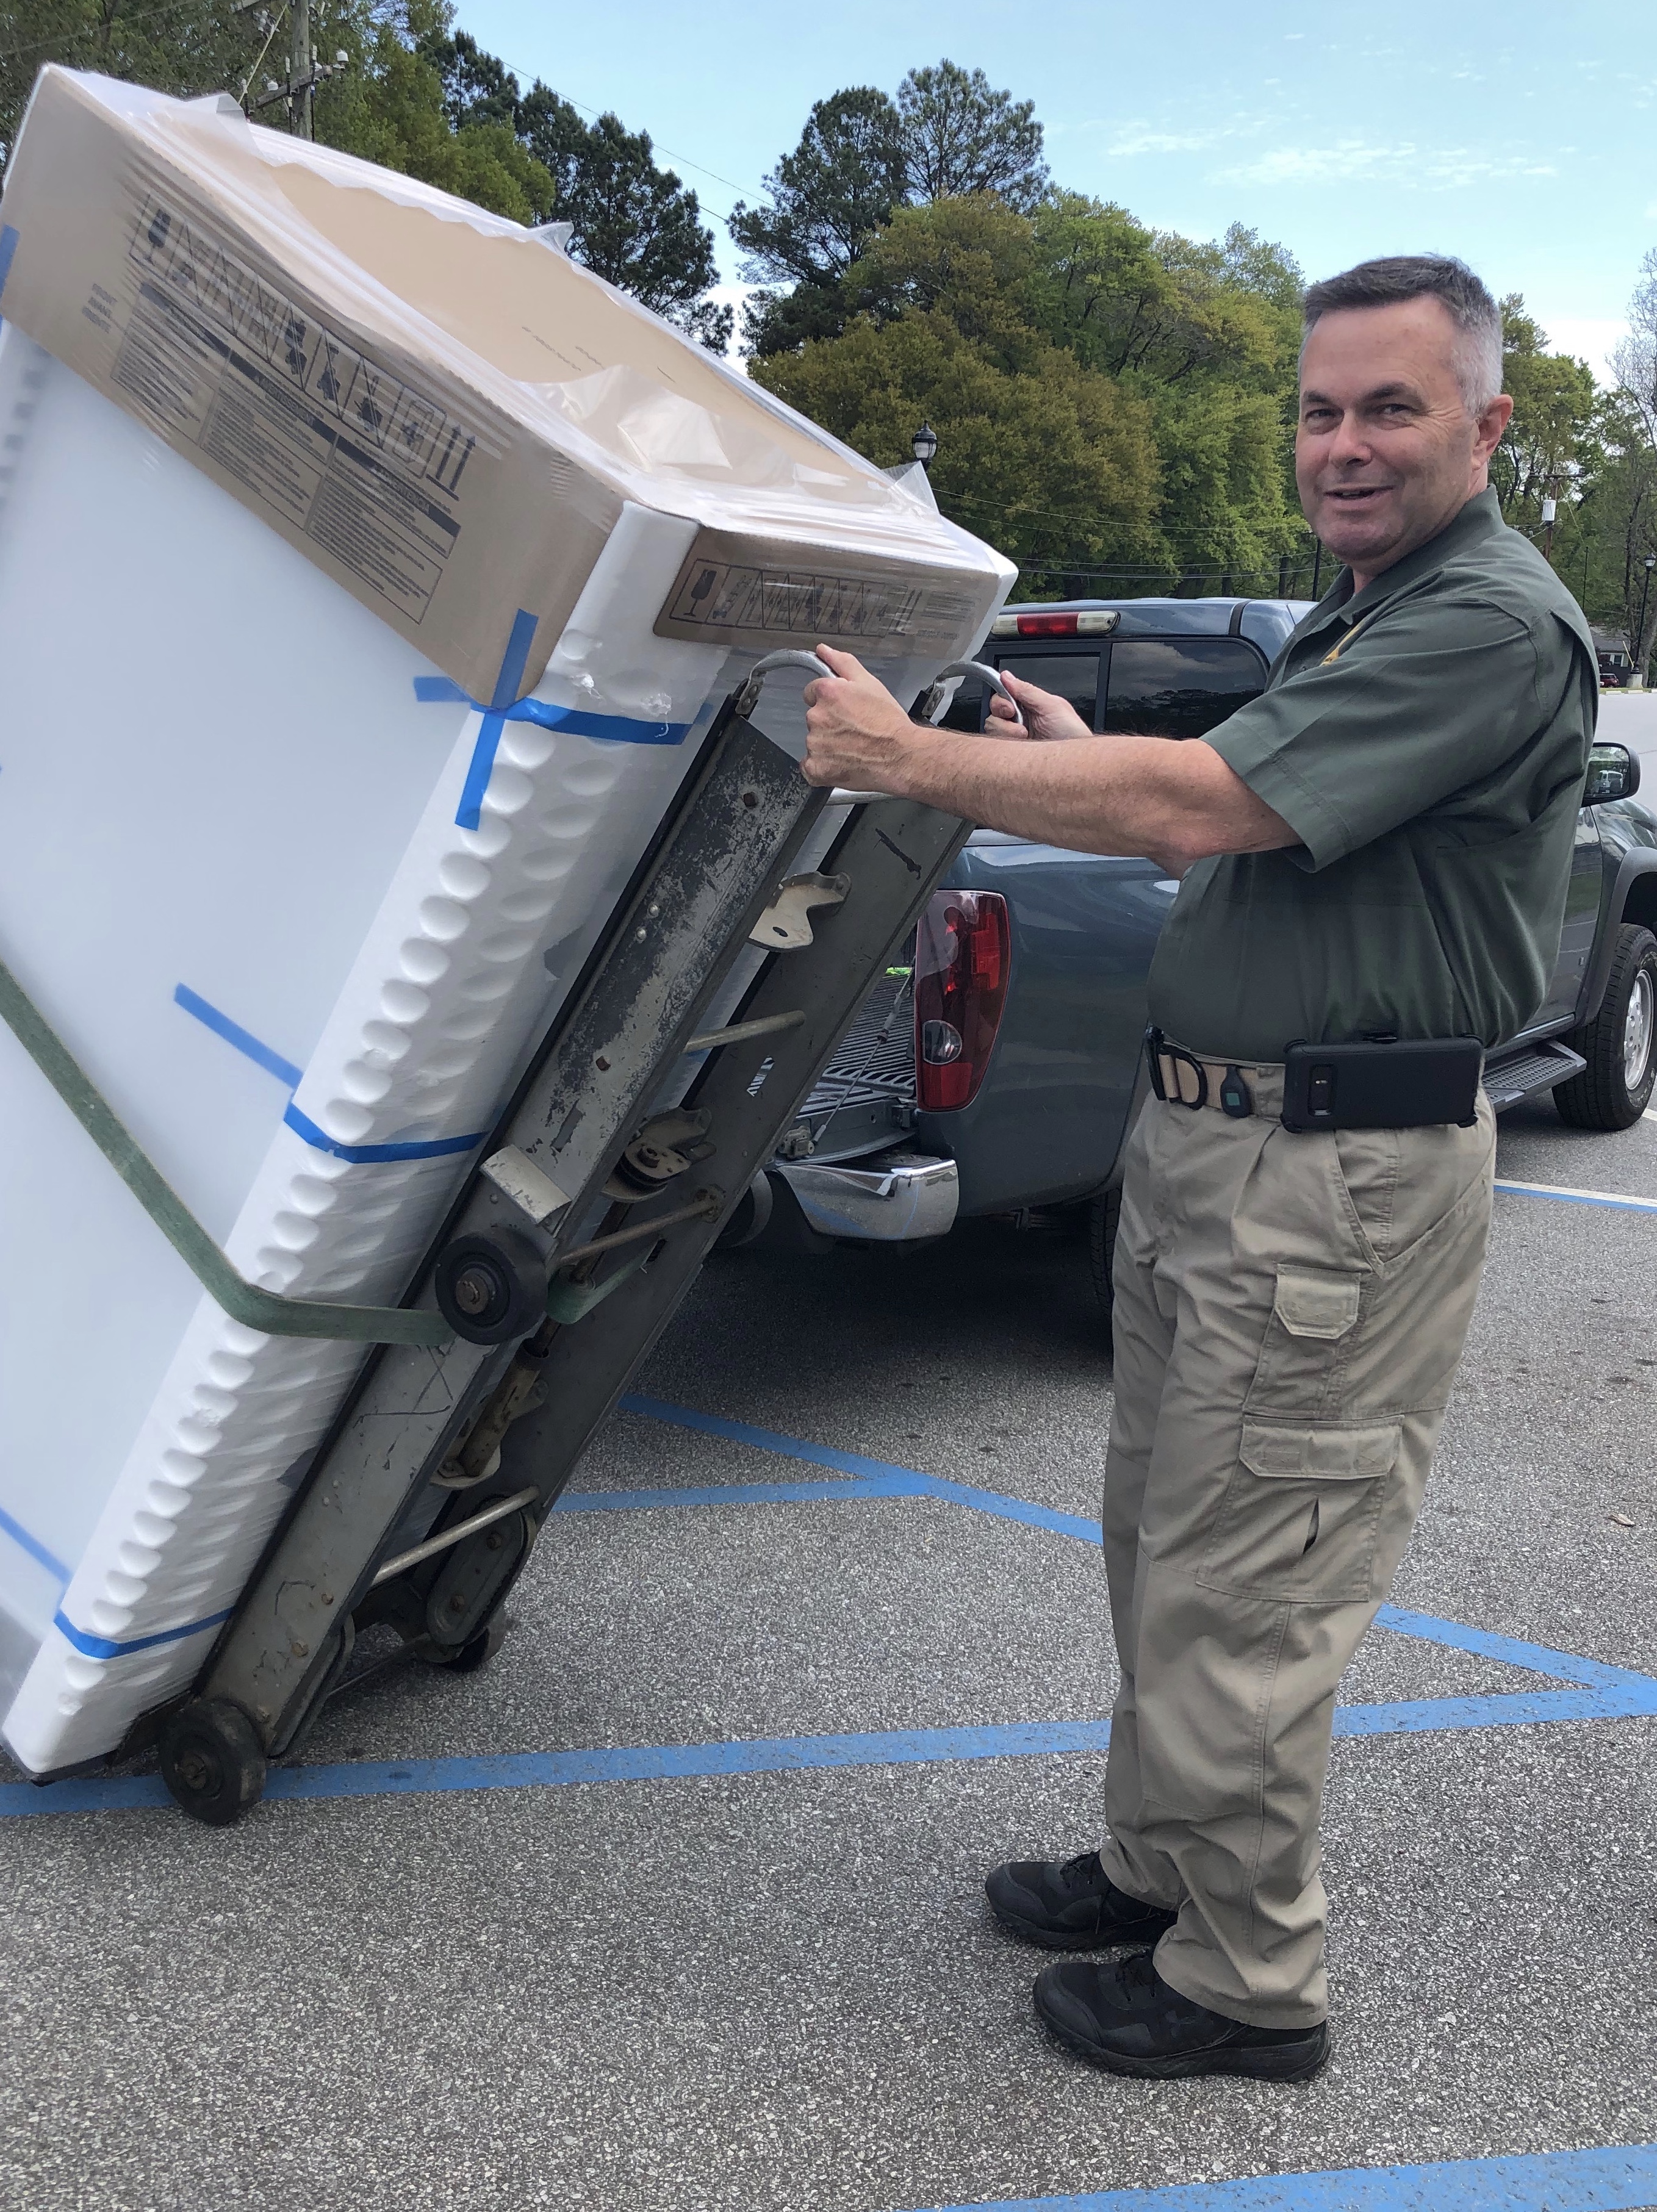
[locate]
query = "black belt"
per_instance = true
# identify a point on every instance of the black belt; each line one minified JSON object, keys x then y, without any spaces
{"x":1375,"y":1083}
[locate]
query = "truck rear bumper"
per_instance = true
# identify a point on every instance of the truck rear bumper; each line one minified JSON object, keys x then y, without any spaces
{"x":893,"y":1199}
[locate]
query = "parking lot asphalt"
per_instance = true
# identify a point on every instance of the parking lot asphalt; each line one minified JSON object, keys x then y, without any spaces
{"x":493,"y":1985}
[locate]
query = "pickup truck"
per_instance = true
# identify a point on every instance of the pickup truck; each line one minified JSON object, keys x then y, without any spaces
{"x":996,"y":1068}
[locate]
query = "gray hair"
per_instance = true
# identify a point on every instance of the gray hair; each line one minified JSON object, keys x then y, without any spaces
{"x":1467,"y":301}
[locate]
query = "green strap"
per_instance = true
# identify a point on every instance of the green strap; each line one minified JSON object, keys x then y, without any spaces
{"x":264,"y":1310}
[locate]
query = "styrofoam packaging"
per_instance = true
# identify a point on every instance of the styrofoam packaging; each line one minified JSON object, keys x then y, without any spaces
{"x":300,"y":906}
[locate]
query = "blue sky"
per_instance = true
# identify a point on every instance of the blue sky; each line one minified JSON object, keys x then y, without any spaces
{"x":1523,"y":137}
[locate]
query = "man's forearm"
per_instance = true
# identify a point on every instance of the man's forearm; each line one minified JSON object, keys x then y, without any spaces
{"x":1174,"y":803}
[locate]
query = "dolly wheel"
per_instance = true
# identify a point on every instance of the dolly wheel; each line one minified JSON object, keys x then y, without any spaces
{"x":491,"y":1289}
{"x":478,"y":1652}
{"x":212,"y":1761}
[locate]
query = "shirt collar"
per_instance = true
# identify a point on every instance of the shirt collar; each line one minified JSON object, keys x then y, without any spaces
{"x":1480,"y":518}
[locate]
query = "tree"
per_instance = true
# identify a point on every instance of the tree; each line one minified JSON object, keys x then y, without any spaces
{"x":827,"y":200}
{"x":1549,"y":442}
{"x":640,"y":228}
{"x":631,"y":223}
{"x":1053,"y":461}
{"x":960,"y":136}
{"x":195,"y":46}
{"x":1180,"y":356}
{"x":417,"y":96}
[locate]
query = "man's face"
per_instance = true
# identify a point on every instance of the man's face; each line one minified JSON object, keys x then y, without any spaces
{"x":1385,"y":452}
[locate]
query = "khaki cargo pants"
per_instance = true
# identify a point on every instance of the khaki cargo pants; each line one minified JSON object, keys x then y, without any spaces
{"x":1291,"y":1311}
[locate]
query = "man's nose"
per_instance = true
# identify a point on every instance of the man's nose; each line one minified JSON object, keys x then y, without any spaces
{"x":1350,"y":441}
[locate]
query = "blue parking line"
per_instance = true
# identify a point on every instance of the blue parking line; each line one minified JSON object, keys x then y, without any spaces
{"x":993,"y":1501}
{"x":799,"y":1754}
{"x":1623,"y":2178}
{"x":1569,"y":1197}
{"x":1599,"y":1691}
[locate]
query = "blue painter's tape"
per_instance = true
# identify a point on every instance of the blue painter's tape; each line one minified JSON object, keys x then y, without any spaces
{"x":103,"y":1647}
{"x":7,"y":248}
{"x":36,"y":1550}
{"x":610,"y":729}
{"x":233,"y":1033}
{"x":1619,"y":2179}
{"x":435,"y":1148}
{"x":507,"y":686}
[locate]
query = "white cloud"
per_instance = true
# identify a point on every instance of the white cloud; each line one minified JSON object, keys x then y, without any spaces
{"x":1352,"y":160}
{"x":1164,"y":142}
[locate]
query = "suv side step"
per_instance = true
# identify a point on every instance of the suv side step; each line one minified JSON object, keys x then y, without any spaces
{"x":1539,"y":1067}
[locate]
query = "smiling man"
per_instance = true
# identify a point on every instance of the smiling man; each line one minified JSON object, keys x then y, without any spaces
{"x":1374,"y":856}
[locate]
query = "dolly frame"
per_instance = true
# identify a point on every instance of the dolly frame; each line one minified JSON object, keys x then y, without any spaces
{"x":370,"y":1532}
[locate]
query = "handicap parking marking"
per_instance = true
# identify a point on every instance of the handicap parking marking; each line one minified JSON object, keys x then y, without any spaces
{"x":1623,"y":2178}
{"x":1597,"y":1692}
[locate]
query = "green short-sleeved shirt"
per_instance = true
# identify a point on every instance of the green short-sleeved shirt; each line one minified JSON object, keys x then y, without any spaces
{"x":1426,"y":739}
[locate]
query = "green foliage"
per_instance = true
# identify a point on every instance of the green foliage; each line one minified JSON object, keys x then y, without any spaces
{"x":1552,"y":439}
{"x":1051,"y":460}
{"x":417,"y":96}
{"x":1181,"y":357}
{"x":830,"y":197}
{"x":960,"y":136}
{"x":949,"y":135}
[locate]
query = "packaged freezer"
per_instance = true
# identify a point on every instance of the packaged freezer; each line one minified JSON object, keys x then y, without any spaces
{"x":368,"y":570}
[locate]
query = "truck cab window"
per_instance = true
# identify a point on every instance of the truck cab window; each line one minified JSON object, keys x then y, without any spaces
{"x":1074,"y":676}
{"x":1179,"y":687}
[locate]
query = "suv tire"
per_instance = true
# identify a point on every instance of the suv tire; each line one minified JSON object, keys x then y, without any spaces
{"x":1104,"y":1215}
{"x":1619,"y":1044}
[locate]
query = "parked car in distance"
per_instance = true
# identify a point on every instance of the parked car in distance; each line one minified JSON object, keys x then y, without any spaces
{"x":998,"y":1068}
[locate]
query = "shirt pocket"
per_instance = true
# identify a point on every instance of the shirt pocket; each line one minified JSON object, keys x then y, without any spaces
{"x":1300,"y":1518}
{"x":1314,"y":1311}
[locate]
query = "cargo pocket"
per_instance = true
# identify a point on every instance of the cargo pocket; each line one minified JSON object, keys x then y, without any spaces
{"x":1313,"y":1313}
{"x":1300,"y":1518}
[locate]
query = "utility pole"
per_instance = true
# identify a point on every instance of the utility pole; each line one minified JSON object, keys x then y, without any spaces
{"x":301,"y":74}
{"x":1317,"y":567}
{"x":1549,"y":508}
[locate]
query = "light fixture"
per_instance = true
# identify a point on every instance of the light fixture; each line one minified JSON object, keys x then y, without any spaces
{"x":923,"y":445}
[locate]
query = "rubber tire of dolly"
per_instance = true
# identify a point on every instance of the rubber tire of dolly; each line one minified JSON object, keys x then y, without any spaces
{"x":1104,"y":1216}
{"x":519,"y":1276}
{"x":1599,"y":1097}
{"x":476,"y":1652}
{"x":212,"y":1761}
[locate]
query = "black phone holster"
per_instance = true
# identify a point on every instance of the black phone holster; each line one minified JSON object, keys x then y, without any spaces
{"x":1417,"y":1085}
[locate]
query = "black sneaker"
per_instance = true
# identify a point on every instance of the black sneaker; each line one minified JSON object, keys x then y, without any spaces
{"x":1125,"y":2018}
{"x":1070,"y":1906}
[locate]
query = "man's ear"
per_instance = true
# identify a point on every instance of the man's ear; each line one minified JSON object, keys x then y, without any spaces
{"x":1489,"y":427}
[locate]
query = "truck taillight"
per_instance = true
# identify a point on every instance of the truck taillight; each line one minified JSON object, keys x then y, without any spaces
{"x":962,"y":956}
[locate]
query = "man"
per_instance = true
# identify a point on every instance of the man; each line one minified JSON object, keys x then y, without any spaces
{"x":1377,"y":847}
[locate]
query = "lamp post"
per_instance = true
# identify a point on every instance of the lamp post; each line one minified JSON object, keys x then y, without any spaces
{"x":1639,"y":679}
{"x":923,"y":445}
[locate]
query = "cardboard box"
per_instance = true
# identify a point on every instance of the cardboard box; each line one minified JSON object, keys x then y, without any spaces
{"x":435,"y":405}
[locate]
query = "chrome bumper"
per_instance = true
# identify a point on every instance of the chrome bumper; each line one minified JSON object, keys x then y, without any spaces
{"x":890,"y":1201}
